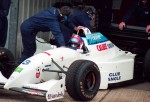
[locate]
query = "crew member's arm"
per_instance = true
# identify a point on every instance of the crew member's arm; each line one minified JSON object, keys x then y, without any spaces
{"x":84,"y":21}
{"x":128,"y":15}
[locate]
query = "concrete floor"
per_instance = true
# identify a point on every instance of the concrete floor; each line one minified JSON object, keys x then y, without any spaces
{"x":133,"y":93}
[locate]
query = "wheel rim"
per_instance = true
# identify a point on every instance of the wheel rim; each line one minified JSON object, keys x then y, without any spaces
{"x":90,"y":81}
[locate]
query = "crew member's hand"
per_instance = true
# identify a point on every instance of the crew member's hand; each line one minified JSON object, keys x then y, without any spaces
{"x":147,"y":28}
{"x":78,"y":28}
{"x":122,"y":25}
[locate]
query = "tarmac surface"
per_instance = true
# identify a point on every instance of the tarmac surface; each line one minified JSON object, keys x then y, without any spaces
{"x":133,"y":93}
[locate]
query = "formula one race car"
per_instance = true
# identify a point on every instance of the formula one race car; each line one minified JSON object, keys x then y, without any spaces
{"x":80,"y":72}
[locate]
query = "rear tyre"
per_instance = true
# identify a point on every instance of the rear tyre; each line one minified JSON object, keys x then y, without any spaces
{"x":6,"y":62}
{"x":83,"y":80}
{"x":147,"y":65}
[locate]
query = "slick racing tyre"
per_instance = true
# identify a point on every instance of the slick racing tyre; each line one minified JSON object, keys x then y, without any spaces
{"x":6,"y":59}
{"x":83,"y":80}
{"x":147,"y":65}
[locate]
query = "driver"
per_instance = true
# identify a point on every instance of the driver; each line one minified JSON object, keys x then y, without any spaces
{"x":75,"y":42}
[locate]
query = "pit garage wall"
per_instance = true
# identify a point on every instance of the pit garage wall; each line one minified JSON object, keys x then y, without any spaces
{"x":19,"y":11}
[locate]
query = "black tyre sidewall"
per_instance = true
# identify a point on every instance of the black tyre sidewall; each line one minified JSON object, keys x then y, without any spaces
{"x":79,"y":90}
{"x":6,"y":57}
{"x":71,"y":80}
{"x":83,"y":93}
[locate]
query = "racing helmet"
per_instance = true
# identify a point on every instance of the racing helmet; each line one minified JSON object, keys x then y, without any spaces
{"x":76,"y":42}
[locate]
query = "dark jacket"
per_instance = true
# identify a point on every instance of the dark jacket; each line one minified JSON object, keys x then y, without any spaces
{"x":140,"y":12}
{"x":4,"y":7}
{"x":46,"y":20}
{"x":77,"y":18}
{"x":4,"y":10}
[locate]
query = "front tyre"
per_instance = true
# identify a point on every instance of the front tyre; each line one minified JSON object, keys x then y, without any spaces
{"x":83,"y":80}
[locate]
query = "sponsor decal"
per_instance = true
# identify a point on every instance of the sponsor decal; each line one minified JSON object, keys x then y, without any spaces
{"x":47,"y":65}
{"x":101,"y":47}
{"x":51,"y":96}
{"x":18,"y":69}
{"x":38,"y":72}
{"x":110,"y":45}
{"x":104,"y":46}
{"x":33,"y":92}
{"x":95,"y":38}
{"x":45,"y":69}
{"x":114,"y":76}
{"x":26,"y":62}
{"x":47,"y":53}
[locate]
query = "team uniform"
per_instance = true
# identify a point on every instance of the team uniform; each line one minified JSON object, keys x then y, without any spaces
{"x":141,"y":12}
{"x":4,"y":10}
{"x":47,"y":20}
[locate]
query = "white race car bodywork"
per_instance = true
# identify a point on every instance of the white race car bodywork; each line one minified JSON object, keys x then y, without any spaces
{"x":114,"y":64}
